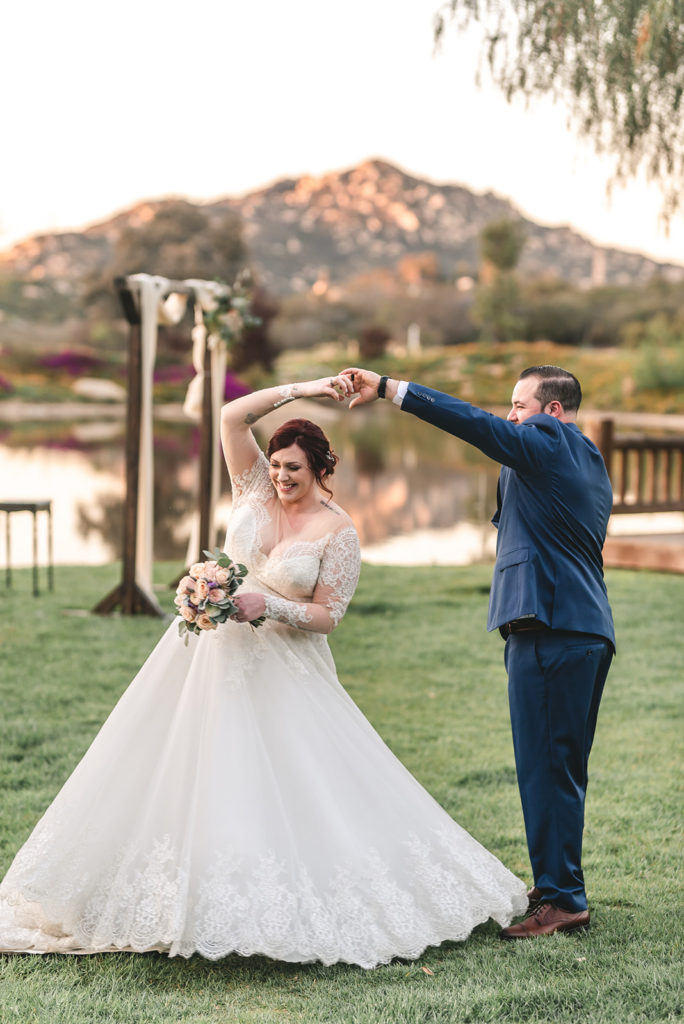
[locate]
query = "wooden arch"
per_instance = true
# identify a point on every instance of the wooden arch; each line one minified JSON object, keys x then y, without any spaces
{"x":128,"y":596}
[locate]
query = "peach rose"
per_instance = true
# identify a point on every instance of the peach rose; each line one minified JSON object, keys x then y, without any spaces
{"x":197,"y":569}
{"x":189,"y":614}
{"x":186,"y":585}
{"x":210,"y":570}
{"x":222,"y":575}
{"x":216,"y":595}
{"x":205,"y":621}
{"x":201,"y":592}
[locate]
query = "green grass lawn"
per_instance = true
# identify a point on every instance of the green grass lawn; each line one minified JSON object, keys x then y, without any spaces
{"x":413,"y":653}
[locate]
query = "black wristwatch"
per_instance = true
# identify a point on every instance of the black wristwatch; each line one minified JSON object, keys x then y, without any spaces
{"x":382,"y":384}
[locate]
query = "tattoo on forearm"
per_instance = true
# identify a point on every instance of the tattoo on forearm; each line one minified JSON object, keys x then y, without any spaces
{"x":288,"y":395}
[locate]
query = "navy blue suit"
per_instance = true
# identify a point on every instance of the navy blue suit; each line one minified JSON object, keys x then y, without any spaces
{"x":554,"y":500}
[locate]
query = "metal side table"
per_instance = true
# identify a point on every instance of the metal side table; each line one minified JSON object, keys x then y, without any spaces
{"x":8,"y":507}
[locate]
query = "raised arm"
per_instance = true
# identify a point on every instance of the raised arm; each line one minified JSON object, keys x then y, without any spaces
{"x":237,"y":417}
{"x":526,"y":448}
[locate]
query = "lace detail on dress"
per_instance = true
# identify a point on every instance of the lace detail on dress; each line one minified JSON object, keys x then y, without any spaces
{"x":286,"y":611}
{"x":340,"y":569}
{"x":254,"y":483}
{"x":240,"y":649}
{"x":365,"y":910}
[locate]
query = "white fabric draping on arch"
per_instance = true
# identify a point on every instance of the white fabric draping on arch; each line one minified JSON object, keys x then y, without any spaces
{"x":154,"y":310}
{"x":206,"y":294}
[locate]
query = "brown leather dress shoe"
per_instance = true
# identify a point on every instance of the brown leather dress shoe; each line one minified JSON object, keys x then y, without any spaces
{"x":547,"y":919}
{"x":534,"y":898}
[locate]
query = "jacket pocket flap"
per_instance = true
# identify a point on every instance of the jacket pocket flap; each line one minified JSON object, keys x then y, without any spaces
{"x":512,"y":558}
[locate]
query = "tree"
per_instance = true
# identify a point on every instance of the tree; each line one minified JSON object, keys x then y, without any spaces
{"x":619,"y":63}
{"x":373,"y":340}
{"x":501,"y":242}
{"x":495,"y":309}
{"x":498,"y":292}
{"x":180,"y":241}
{"x":255,"y":346}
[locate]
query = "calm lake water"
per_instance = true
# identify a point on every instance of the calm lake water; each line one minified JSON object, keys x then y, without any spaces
{"x":415,"y":494}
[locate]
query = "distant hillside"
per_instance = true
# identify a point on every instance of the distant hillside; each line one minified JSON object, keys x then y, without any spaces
{"x":338,"y":226}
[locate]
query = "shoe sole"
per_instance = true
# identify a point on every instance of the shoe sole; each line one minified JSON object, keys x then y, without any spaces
{"x":558,"y":931}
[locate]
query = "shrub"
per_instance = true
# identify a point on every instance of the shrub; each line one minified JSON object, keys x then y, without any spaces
{"x":73,"y":363}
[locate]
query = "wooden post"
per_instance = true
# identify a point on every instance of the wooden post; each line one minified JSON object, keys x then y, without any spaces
{"x":127,"y":595}
{"x":51,"y":569}
{"x":605,"y":441}
{"x":8,"y":548}
{"x":206,"y":459}
{"x":35,"y":554}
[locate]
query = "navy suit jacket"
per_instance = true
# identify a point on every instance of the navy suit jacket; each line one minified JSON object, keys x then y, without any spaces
{"x":554,"y":502}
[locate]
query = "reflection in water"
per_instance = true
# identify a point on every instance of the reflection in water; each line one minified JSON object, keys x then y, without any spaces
{"x":398,"y":478}
{"x":70,"y":479}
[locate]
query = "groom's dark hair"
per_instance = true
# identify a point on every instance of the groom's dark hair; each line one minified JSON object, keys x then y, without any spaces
{"x":555,"y":385}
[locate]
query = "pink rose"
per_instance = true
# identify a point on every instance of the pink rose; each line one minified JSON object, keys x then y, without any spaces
{"x":205,"y":621}
{"x":210,"y":571}
{"x":201,"y":592}
{"x":216,"y":595}
{"x":222,"y":576}
{"x":197,"y":569}
{"x":189,"y":614}
{"x":186,"y":585}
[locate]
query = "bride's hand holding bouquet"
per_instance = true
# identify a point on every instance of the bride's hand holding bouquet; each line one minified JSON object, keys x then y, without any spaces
{"x":204,"y":597}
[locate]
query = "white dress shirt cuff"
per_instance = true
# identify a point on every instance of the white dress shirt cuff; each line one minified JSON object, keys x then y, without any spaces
{"x":402,"y":388}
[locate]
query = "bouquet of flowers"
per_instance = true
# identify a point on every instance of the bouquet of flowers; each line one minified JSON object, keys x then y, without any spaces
{"x":204,"y":596}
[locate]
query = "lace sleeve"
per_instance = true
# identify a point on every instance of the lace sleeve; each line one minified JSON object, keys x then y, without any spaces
{"x":254,"y":483}
{"x":337,"y":579}
{"x":289,"y":612}
{"x":339,"y":573}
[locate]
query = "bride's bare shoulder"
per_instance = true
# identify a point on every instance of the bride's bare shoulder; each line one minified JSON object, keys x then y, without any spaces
{"x":339,"y":519}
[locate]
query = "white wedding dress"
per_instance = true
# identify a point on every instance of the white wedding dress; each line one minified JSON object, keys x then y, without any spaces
{"x":236,"y":799}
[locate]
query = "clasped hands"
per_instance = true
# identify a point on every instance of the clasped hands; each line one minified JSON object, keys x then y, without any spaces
{"x":362,"y":384}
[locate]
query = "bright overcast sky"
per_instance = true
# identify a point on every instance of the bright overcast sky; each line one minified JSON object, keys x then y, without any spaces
{"x":107,"y":104}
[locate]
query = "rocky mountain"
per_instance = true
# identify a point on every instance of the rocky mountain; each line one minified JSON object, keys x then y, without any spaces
{"x":341,"y":225}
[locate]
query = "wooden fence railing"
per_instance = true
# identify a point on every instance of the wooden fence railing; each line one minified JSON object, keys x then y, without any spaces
{"x":647,"y":473}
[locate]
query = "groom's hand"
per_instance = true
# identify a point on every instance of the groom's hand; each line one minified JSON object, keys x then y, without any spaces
{"x":364,"y":383}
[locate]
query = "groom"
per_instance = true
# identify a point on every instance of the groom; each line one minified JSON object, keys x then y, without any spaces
{"x":548,"y":600}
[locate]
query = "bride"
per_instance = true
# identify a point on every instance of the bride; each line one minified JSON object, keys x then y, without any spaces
{"x":236,"y":799}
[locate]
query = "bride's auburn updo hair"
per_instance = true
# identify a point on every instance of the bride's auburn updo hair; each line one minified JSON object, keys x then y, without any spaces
{"x":311,"y":439}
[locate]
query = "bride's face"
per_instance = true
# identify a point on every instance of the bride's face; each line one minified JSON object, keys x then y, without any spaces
{"x":290,"y":474}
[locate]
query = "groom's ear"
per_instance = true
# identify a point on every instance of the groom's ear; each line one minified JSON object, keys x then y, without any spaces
{"x":554,"y":409}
